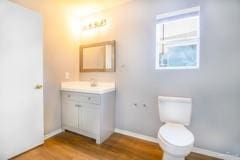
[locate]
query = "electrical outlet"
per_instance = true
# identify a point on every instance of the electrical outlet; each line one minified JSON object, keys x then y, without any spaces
{"x":67,"y":75}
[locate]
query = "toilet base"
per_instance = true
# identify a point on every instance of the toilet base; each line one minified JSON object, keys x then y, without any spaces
{"x":167,"y":156}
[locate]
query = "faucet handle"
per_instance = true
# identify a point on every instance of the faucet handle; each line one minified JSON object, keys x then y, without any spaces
{"x":93,"y":82}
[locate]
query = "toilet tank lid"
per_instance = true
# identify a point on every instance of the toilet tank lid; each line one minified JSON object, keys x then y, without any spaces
{"x":175,"y":99}
{"x":176,"y":134}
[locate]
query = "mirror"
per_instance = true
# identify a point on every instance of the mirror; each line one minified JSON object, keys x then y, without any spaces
{"x":98,"y":57}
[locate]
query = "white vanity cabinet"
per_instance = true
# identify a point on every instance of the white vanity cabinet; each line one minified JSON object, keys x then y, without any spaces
{"x":89,"y":114}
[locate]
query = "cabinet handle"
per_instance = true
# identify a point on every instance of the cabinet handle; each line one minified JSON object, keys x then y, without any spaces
{"x":78,"y":105}
{"x":89,"y":98}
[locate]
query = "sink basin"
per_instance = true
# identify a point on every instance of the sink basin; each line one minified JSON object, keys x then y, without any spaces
{"x":85,"y":86}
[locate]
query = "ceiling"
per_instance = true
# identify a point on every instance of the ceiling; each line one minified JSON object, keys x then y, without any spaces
{"x":81,"y":7}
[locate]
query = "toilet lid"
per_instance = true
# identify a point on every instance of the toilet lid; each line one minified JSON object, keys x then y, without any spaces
{"x":176,"y":134}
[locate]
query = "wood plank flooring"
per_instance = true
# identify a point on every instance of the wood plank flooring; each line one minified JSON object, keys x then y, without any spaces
{"x":70,"y":146}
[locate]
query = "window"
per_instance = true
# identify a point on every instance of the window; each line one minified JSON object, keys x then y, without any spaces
{"x":178,"y":40}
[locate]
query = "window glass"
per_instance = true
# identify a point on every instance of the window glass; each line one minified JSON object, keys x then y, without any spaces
{"x":178,"y":41}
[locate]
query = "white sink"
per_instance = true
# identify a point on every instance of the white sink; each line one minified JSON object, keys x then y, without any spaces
{"x":85,"y":86}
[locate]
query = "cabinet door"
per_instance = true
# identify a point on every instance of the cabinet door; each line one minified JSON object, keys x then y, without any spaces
{"x":70,"y":114}
{"x":89,"y":118}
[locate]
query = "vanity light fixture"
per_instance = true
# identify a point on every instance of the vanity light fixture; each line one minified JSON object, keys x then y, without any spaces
{"x":95,"y":24}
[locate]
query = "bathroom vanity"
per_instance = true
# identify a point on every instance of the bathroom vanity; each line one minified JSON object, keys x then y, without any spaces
{"x":89,"y":110}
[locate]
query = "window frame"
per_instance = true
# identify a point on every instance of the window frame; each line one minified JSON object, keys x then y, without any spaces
{"x":174,"y":14}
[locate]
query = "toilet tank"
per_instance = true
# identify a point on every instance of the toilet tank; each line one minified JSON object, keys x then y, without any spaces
{"x":175,"y":109}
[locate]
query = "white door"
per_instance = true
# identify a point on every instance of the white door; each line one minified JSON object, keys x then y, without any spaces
{"x":70,"y":114}
{"x":21,"y":105}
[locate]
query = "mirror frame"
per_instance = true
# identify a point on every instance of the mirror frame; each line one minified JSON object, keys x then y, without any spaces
{"x":82,"y":46}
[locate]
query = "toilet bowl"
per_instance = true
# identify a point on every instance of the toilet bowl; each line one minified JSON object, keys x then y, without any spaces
{"x":173,"y":137}
{"x":176,"y":141}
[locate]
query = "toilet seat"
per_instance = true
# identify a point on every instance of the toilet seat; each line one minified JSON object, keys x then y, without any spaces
{"x":176,"y":135}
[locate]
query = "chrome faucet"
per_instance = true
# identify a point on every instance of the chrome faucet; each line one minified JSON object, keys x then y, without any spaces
{"x":93,"y":82}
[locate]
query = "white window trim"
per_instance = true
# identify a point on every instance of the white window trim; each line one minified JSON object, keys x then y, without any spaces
{"x":171,"y":14}
{"x":179,"y":12}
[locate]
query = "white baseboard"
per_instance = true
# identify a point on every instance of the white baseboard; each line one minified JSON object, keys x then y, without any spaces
{"x":53,"y":133}
{"x":136,"y":135}
{"x":215,"y":154}
{"x":195,"y":149}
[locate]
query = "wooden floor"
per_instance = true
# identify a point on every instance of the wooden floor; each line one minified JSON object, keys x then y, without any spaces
{"x":70,"y":146}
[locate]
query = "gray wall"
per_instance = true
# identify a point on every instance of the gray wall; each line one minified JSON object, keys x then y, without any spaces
{"x":215,"y":87}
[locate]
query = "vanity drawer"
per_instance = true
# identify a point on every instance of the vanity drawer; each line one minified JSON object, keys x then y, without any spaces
{"x":81,"y":97}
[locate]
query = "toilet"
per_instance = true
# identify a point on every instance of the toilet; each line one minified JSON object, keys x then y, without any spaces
{"x":173,"y":137}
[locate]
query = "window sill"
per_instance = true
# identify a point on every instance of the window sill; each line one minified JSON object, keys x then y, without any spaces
{"x":177,"y":68}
